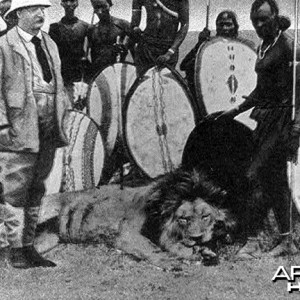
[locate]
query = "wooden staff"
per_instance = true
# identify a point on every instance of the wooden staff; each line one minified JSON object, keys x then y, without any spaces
{"x":292,"y":163}
{"x":207,"y":13}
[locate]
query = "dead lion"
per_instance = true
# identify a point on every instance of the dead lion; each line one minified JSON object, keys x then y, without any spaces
{"x":172,"y":217}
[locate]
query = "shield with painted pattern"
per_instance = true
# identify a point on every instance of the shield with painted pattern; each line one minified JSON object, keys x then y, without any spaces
{"x":224,"y":72}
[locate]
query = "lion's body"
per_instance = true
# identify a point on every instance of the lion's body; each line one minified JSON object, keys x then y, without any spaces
{"x":168,"y":217}
{"x":183,"y":213}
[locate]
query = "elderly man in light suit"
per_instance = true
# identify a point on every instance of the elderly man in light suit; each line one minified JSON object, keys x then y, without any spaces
{"x":32,"y":106}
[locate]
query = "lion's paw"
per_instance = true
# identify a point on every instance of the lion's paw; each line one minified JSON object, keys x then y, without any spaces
{"x":71,"y":219}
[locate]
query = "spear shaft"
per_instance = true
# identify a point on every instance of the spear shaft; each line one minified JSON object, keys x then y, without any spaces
{"x":207,"y":13}
{"x":292,"y":163}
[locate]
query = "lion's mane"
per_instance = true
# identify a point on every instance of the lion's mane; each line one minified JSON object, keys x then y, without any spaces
{"x":161,"y":225}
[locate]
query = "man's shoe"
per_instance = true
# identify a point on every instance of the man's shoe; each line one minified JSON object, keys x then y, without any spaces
{"x":251,"y":250}
{"x":18,"y":259}
{"x":36,"y":259}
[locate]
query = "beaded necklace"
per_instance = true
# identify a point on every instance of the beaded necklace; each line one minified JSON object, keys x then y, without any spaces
{"x":261,"y":54}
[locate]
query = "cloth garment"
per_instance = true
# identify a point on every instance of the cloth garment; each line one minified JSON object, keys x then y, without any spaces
{"x":39,"y":84}
{"x":23,"y":175}
{"x":18,"y":107}
{"x":147,"y":52}
{"x":166,"y":28}
{"x":103,"y":38}
{"x":33,"y":104}
{"x":42,"y":58}
{"x":30,"y":224}
{"x":69,"y":36}
{"x":11,"y":226}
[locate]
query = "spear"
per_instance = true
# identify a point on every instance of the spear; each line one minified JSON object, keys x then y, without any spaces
{"x":292,"y":170}
{"x":207,"y":13}
{"x":292,"y":163}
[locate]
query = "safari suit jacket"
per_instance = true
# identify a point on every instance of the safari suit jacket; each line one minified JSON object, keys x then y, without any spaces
{"x":17,"y":103}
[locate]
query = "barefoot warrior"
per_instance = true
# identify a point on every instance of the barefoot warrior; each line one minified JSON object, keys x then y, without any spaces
{"x":108,"y":39}
{"x":276,"y":136}
{"x":159,"y":42}
{"x":227,"y":26}
{"x":69,"y":34}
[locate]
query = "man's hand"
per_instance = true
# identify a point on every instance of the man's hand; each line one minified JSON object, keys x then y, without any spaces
{"x":231,"y":113}
{"x":80,"y":90}
{"x":120,"y":49}
{"x":5,"y":136}
{"x":204,"y":35}
{"x":228,"y":114}
{"x":163,"y":59}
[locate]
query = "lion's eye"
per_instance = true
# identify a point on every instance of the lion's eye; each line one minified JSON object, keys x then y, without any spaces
{"x":205,"y":217}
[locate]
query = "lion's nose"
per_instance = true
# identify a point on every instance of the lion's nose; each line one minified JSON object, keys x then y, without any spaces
{"x":189,"y":242}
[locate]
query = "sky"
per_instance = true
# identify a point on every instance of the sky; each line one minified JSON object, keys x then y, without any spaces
{"x":122,"y":9}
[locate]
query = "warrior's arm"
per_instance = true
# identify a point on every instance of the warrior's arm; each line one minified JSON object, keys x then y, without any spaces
{"x":183,"y":16}
{"x":136,"y":14}
{"x":250,"y":100}
{"x":248,"y":103}
{"x":296,"y":126}
{"x":189,"y":60}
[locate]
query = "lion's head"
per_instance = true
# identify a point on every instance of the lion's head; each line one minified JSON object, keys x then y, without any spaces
{"x":195,"y":224}
{"x":197,"y":220}
{"x":183,"y":211}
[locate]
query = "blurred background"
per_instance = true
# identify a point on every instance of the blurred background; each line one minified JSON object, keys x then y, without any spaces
{"x":122,"y":9}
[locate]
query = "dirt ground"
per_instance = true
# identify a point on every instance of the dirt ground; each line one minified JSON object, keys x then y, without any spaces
{"x":98,"y":271}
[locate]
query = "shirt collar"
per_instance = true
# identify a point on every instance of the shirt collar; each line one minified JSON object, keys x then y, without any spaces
{"x":3,"y":25}
{"x":27,"y":36}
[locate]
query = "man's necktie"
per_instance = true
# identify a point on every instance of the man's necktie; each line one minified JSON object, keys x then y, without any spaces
{"x":42,"y":58}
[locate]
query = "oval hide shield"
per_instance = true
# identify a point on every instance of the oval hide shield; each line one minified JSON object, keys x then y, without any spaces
{"x":159,"y":115}
{"x":224,"y":72}
{"x":83,"y":158}
{"x":105,"y":94}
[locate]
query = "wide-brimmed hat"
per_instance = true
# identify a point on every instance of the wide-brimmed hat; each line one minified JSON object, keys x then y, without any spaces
{"x":16,"y":4}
